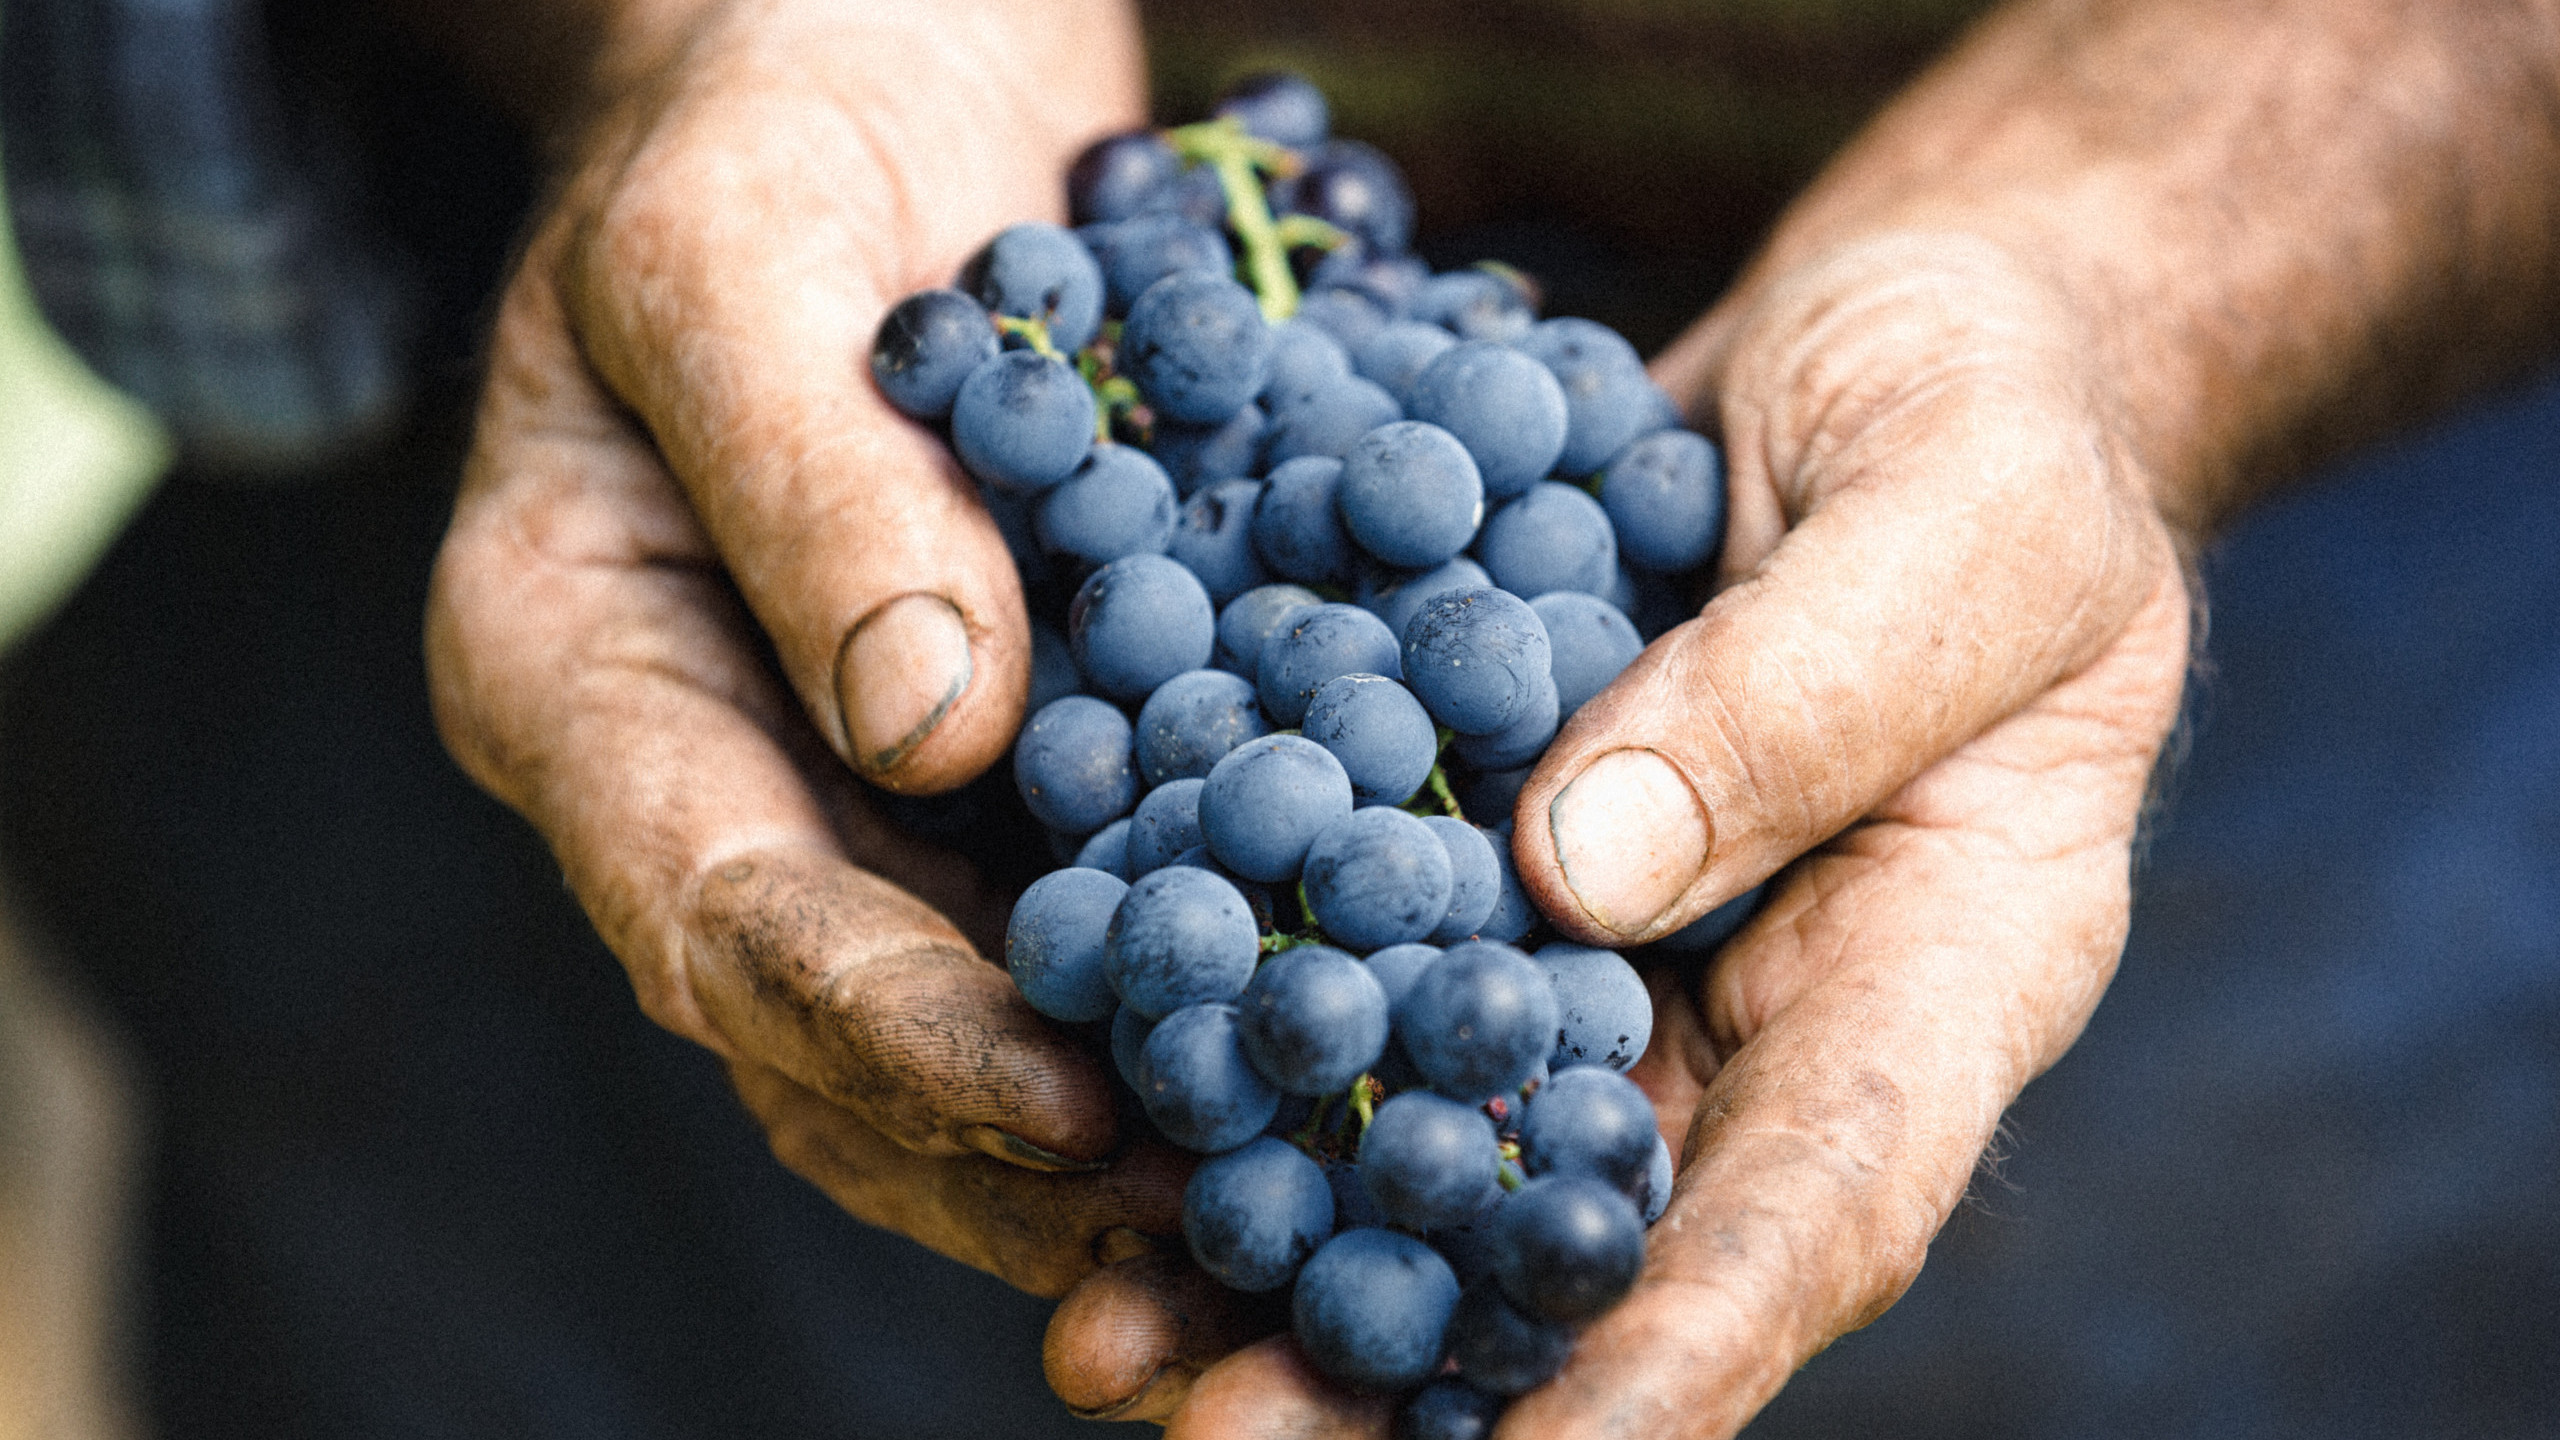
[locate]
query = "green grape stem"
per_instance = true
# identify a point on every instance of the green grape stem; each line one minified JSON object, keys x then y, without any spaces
{"x":1366,"y":1092}
{"x":1240,"y":162}
{"x":1305,"y":1138}
{"x":1441,"y":792}
{"x":1034,"y":331}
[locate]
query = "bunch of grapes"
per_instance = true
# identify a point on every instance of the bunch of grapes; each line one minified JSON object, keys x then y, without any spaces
{"x":1335,"y":545}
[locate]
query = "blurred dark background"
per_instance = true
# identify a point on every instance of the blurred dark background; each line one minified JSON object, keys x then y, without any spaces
{"x":420,"y":1168}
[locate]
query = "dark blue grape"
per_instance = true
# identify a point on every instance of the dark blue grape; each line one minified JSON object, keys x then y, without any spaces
{"x":1035,"y":271}
{"x":1252,"y":618}
{"x":1377,"y":877}
{"x":1192,"y":721}
{"x":1589,"y":641}
{"x":1180,"y":937}
{"x":1476,"y":304}
{"x":1468,"y":1245}
{"x":1303,"y":356}
{"x":1053,"y":669}
{"x":1197,"y":347}
{"x":1199,"y":1088}
{"x":1396,"y":596}
{"x":1257,"y":896}
{"x":1396,"y":355}
{"x":1378,"y":731}
{"x":1053,"y":944}
{"x":1390,"y":280}
{"x":1480,"y":1021}
{"x":1166,"y":823}
{"x":1314,"y":1019}
{"x":1477,"y":658}
{"x":1608,"y":405}
{"x":1277,"y":106}
{"x":1506,"y":408}
{"x":1138,"y":622}
{"x":1297,"y":529}
{"x":1428,"y":1160}
{"x":1316,"y":646}
{"x":1522,"y":741}
{"x":1654,"y":1195}
{"x":1267,"y":801}
{"x":1448,"y":1409}
{"x":1119,"y":175}
{"x":1073,"y":767}
{"x":1371,"y":1309}
{"x":1330,"y":419}
{"x":1022,"y":421}
{"x":1513,"y":916}
{"x":1214,"y":538}
{"x":1357,"y":188}
{"x":1555,"y":537}
{"x":1475,"y":878}
{"x":1665,"y":497}
{"x":1571,"y":341}
{"x":1712,"y":929}
{"x":1566,"y":1247}
{"x":1348,"y":317}
{"x":1498,"y":1349}
{"x":927,"y":346}
{"x":1410,"y":494}
{"x":1398,"y":966}
{"x":1118,"y":502}
{"x":1138,"y":252}
{"x":1198,"y":455}
{"x":1195,"y":195}
{"x":1604,"y":1015}
{"x":1107,"y":849}
{"x":1589,"y":1120}
{"x":1254,"y":1215}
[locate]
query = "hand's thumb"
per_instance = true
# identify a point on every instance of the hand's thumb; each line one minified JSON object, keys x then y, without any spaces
{"x":1950,"y":563}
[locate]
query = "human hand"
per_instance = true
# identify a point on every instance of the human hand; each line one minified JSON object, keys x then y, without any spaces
{"x":1950,"y":648}
{"x":698,"y":568}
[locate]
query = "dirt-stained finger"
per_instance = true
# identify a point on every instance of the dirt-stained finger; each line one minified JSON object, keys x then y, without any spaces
{"x":1266,"y":1391}
{"x":1131,"y":1340}
{"x":1042,"y":1232}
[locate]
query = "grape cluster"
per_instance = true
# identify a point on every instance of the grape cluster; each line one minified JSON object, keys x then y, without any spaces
{"x":1335,"y":545}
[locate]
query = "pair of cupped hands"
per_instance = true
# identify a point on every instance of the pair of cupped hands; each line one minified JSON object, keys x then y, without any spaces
{"x":702,"y":583}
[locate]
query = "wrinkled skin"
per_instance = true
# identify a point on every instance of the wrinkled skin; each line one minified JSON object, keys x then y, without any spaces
{"x":1990,"y":378}
{"x":684,"y":502}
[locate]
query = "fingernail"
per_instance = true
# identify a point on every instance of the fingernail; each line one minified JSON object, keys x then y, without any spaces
{"x":1120,"y":1243}
{"x":903,"y":669}
{"x":1630,"y":836}
{"x":1137,"y":1406}
{"x":1014,"y":1150}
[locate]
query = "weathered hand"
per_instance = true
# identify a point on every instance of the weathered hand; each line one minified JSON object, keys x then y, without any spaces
{"x":1950,"y":648}
{"x":699,"y":568}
